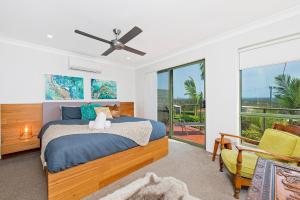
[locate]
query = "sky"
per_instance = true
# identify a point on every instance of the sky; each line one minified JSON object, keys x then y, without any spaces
{"x":179,"y":76}
{"x":256,"y":80}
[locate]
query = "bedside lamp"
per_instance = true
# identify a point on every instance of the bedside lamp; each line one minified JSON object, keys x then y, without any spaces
{"x":26,"y":132}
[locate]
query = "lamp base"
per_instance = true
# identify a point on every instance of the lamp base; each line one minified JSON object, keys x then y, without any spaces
{"x":25,"y":137}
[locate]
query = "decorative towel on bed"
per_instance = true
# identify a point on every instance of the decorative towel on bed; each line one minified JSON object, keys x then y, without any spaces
{"x":139,"y":132}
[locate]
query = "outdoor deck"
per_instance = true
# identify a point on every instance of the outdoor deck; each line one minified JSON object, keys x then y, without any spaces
{"x":190,"y":134}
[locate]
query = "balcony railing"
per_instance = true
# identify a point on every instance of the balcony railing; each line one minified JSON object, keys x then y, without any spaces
{"x":286,"y":112}
{"x":270,"y":113}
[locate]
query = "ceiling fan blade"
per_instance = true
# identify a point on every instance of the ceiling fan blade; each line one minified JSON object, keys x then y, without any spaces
{"x":108,"y":51}
{"x":132,"y":50}
{"x":91,"y":36}
{"x":130,"y":35}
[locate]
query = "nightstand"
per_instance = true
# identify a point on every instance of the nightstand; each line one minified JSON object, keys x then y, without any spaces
{"x":16,"y":118}
{"x":17,"y":145}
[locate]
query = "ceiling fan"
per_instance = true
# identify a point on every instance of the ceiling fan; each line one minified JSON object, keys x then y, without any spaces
{"x":118,"y":44}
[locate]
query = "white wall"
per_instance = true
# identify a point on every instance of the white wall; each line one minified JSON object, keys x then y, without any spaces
{"x":22,"y":72}
{"x":222,"y":76}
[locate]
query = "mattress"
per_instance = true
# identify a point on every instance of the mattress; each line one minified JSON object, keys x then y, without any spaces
{"x":72,"y":150}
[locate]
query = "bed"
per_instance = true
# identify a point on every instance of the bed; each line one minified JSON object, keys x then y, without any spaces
{"x":80,"y":164}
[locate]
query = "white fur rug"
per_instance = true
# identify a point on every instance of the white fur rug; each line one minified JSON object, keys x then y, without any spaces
{"x":152,"y":187}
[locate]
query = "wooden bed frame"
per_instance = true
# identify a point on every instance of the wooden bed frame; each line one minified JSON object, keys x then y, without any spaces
{"x":84,"y":179}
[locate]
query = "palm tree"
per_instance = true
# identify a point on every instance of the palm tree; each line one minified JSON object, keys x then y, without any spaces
{"x":191,"y":91}
{"x":287,"y":91}
{"x":202,"y":69}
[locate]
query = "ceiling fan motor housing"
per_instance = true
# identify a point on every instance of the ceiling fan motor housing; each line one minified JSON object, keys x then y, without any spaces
{"x":117,"y":44}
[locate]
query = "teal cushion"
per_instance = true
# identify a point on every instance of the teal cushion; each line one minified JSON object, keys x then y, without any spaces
{"x":88,"y":112}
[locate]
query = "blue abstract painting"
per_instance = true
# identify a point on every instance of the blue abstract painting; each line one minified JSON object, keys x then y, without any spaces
{"x":63,"y":87}
{"x":103,"y":89}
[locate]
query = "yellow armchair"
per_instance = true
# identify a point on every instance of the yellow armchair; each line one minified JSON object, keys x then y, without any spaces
{"x":241,"y":163}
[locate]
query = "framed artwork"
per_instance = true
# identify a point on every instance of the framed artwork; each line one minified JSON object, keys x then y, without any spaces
{"x":63,"y":87}
{"x":103,"y":89}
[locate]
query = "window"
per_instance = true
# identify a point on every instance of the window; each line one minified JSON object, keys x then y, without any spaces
{"x":269,"y":94}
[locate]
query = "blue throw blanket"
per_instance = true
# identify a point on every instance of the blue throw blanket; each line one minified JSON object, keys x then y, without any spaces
{"x":71,"y":150}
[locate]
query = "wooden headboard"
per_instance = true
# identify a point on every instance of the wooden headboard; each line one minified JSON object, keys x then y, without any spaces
{"x":127,"y":108}
{"x":288,"y":128}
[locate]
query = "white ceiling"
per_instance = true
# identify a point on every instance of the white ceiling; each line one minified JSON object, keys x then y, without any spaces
{"x":168,"y":25}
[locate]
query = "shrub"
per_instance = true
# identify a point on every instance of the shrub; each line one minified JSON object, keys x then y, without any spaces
{"x":189,"y":118}
{"x":252,"y":134}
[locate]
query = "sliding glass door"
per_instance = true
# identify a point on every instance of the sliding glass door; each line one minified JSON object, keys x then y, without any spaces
{"x":188,"y":103}
{"x":182,"y":89}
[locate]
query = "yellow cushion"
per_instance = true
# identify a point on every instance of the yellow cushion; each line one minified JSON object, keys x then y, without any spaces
{"x":296,"y":152}
{"x":105,"y":110}
{"x":248,"y":162}
{"x":277,"y":142}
